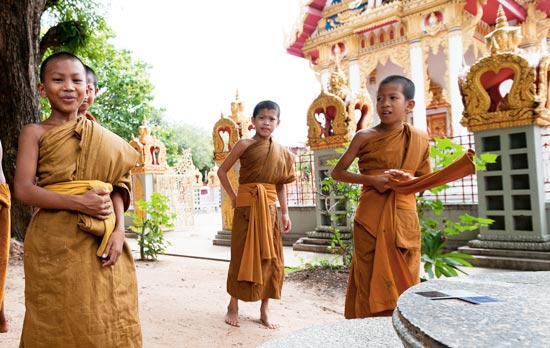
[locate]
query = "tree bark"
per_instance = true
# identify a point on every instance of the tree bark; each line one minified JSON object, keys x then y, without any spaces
{"x":19,"y":100}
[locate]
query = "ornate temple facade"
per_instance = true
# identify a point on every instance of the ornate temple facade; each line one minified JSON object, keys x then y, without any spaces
{"x":431,"y":42}
{"x":479,"y":66}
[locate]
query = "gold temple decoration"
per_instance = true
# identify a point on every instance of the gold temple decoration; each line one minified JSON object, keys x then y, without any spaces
{"x":212,"y":177}
{"x":487,"y":104}
{"x":376,"y":34}
{"x":237,"y":115}
{"x":226,"y":132}
{"x":152,"y":152}
{"x":504,"y":38}
{"x":335,"y":115}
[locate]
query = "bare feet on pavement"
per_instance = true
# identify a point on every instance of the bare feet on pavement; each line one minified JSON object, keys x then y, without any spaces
{"x":232,"y":316}
{"x":264,"y":315}
{"x":3,"y":322}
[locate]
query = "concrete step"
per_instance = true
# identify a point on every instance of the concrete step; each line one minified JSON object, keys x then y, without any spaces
{"x":222,"y":242}
{"x":540,"y":255}
{"x":508,"y":259}
{"x":312,"y":244}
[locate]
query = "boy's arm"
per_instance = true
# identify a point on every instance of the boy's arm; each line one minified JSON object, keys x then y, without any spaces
{"x":114,"y":246}
{"x":226,"y":166}
{"x":95,"y":202}
{"x":340,"y":171}
{"x":285,"y":217}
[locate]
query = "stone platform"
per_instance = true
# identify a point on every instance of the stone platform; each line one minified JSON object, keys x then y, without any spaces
{"x":518,"y":319}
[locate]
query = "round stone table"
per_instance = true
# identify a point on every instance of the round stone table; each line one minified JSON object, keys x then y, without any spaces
{"x":520,"y":317}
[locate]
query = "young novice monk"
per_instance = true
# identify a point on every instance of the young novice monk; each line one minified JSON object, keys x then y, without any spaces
{"x":80,"y":281}
{"x":5,"y":204}
{"x":386,"y":231}
{"x":91,"y":78}
{"x":256,"y":270}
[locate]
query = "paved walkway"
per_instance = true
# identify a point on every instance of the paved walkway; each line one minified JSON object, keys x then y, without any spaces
{"x":196,"y":241}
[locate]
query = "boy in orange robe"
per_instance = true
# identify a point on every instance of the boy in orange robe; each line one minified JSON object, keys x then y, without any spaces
{"x":79,"y":291}
{"x":394,"y":164}
{"x":91,"y":78}
{"x":256,"y":270}
{"x":5,"y":204}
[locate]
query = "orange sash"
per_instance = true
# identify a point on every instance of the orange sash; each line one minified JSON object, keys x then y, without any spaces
{"x":259,"y":239}
{"x":5,"y":204}
{"x":100,"y":228}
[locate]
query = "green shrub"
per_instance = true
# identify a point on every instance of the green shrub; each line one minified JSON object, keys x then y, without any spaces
{"x":149,"y":221}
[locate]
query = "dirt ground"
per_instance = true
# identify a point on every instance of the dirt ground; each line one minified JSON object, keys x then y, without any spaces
{"x":183,"y":302}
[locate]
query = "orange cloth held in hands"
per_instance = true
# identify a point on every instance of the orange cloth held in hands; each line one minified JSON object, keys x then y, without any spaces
{"x":97,"y":227}
{"x":5,"y":227}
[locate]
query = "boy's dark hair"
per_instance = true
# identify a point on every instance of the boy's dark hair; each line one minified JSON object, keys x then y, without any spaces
{"x":266,"y":104}
{"x":91,"y":72}
{"x":406,"y":84}
{"x":54,"y":56}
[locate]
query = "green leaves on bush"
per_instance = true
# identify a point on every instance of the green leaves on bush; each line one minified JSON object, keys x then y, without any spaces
{"x":150,"y":219}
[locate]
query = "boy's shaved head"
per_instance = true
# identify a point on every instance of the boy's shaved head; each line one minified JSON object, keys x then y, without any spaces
{"x":406,"y":84}
{"x":55,"y":56}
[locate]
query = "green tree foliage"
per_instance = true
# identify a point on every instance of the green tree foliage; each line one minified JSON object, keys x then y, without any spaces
{"x":190,"y":137}
{"x":125,"y":92}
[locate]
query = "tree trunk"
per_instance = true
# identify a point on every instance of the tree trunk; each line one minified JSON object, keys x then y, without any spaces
{"x":19,"y":100}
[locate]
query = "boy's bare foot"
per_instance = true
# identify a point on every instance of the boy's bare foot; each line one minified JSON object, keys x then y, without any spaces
{"x":264,"y":315}
{"x":232,"y":316}
{"x":4,"y":327}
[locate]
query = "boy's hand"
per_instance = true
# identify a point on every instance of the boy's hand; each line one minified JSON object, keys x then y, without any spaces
{"x":113,"y":250}
{"x":96,"y":203}
{"x":287,"y":224}
{"x":399,"y":175}
{"x":380,"y":182}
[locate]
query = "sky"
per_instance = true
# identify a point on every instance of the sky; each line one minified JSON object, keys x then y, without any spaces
{"x":203,"y":51}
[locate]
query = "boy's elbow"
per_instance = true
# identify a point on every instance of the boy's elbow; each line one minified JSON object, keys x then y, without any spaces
{"x":334,"y":174}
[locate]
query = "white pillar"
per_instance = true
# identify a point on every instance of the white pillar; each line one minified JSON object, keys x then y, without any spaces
{"x":455,"y":64}
{"x":417,"y":76}
{"x":354,"y":75}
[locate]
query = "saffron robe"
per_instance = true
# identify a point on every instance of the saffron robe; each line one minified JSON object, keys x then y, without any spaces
{"x":5,"y":231}
{"x":71,"y":300}
{"x":386,"y":258}
{"x":263,"y":162}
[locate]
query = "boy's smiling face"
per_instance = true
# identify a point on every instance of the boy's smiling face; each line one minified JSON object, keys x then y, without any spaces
{"x":64,"y":85}
{"x":391,"y":104}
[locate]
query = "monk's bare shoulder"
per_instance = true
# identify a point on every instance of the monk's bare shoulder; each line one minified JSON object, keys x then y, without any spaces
{"x":363,"y":135}
{"x":33,"y":131}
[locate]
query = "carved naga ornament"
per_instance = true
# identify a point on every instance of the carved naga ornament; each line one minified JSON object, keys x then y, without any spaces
{"x":507,"y":88}
{"x":331,"y":117}
{"x":152,"y":152}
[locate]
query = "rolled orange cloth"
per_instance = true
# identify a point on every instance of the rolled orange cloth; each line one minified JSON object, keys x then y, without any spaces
{"x":100,"y":228}
{"x":5,"y":227}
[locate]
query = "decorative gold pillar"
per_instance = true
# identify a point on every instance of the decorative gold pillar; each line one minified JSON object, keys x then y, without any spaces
{"x":151,"y":161}
{"x":226,"y":132}
{"x":508,"y":120}
{"x":332,"y":119}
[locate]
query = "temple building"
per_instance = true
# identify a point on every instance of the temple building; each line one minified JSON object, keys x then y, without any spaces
{"x":431,"y":42}
{"x":480,"y":68}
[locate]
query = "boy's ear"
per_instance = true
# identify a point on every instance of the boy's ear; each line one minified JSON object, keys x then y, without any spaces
{"x":410,"y":105}
{"x":41,"y":90}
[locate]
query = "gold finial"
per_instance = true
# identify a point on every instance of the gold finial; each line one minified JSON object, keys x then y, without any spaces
{"x":502,"y":21}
